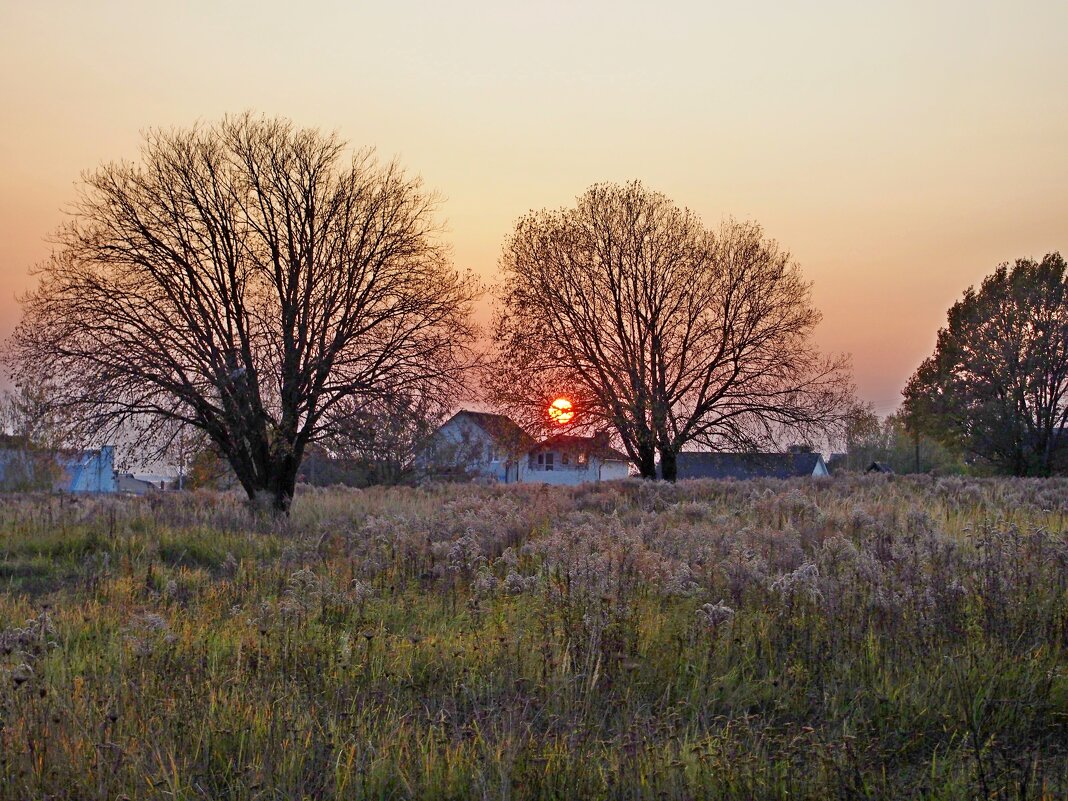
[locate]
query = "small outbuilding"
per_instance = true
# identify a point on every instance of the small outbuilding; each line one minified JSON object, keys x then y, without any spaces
{"x":130,"y":484}
{"x":879,"y":467}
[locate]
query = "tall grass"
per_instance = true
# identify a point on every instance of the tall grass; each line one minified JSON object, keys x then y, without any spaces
{"x":847,"y":638}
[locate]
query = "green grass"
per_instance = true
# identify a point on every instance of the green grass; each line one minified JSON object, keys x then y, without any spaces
{"x":885,"y":639}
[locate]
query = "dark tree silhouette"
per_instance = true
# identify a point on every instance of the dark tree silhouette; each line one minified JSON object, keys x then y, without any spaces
{"x":668,"y":332}
{"x":251,"y":280}
{"x":997,"y":383}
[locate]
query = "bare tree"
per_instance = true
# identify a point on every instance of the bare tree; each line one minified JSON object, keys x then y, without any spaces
{"x":671,"y":333}
{"x":251,"y":280}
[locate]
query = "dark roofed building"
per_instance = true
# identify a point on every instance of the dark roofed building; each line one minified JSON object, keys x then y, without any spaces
{"x":742,"y":466}
{"x":879,"y":467}
{"x":596,"y":446}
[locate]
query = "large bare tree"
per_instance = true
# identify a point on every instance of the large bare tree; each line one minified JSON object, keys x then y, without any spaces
{"x":250,"y":279}
{"x":672,"y":334}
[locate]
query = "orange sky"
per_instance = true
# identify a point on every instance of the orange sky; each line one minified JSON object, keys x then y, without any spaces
{"x":900,"y":149}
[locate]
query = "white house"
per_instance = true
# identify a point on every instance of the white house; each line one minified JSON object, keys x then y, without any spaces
{"x":476,"y":445}
{"x":567,"y":459}
{"x":492,"y":447}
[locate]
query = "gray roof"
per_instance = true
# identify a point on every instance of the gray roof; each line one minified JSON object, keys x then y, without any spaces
{"x":502,"y":429}
{"x":747,"y":465}
{"x":596,"y":447}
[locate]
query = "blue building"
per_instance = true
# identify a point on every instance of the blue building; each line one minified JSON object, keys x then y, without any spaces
{"x":88,"y":470}
{"x":82,"y":471}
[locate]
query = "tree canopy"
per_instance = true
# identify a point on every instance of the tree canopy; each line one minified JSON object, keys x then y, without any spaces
{"x":669,"y":333}
{"x":251,"y":280}
{"x":997,"y":383}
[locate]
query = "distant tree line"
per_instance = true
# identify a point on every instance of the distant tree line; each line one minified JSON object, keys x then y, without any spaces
{"x":262,"y":290}
{"x":892,"y":443}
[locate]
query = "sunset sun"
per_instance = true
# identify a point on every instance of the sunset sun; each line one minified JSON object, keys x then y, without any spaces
{"x":561,"y":412}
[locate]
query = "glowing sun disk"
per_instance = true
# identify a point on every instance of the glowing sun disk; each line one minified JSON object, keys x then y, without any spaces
{"x":561,"y":411}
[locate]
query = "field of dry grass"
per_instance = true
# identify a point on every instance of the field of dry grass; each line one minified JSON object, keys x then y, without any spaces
{"x":846,"y":638}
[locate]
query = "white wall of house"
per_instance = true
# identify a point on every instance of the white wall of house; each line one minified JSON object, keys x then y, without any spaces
{"x":614,"y":470}
{"x":465,"y":449}
{"x":465,"y":446}
{"x":821,"y":468}
{"x":570,"y":474}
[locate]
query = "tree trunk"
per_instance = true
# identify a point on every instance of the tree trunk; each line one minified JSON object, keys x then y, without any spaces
{"x":669,"y":469}
{"x":270,"y":488}
{"x":282,"y":485}
{"x":646,"y":462}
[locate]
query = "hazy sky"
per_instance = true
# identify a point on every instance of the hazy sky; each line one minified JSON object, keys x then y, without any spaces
{"x":900,"y":150}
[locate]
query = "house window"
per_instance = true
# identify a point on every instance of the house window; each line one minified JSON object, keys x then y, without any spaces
{"x":582,"y":458}
{"x":563,"y":458}
{"x":541,"y":458}
{"x":549,"y":461}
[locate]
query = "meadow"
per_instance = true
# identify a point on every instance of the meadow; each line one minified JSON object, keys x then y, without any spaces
{"x":854,"y":637}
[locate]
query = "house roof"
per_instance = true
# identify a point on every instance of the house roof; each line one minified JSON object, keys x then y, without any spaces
{"x":502,"y":429}
{"x":747,"y":465}
{"x":597,"y":447}
{"x":127,"y":479}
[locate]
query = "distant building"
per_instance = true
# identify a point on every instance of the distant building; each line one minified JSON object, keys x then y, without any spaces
{"x":65,"y":470}
{"x":131,"y":485}
{"x":492,"y":447}
{"x":566,"y":459}
{"x":88,"y":470}
{"x":743,"y":466}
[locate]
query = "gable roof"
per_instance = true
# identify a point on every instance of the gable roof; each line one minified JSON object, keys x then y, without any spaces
{"x":747,"y":465}
{"x":596,"y":447}
{"x":504,"y":431}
